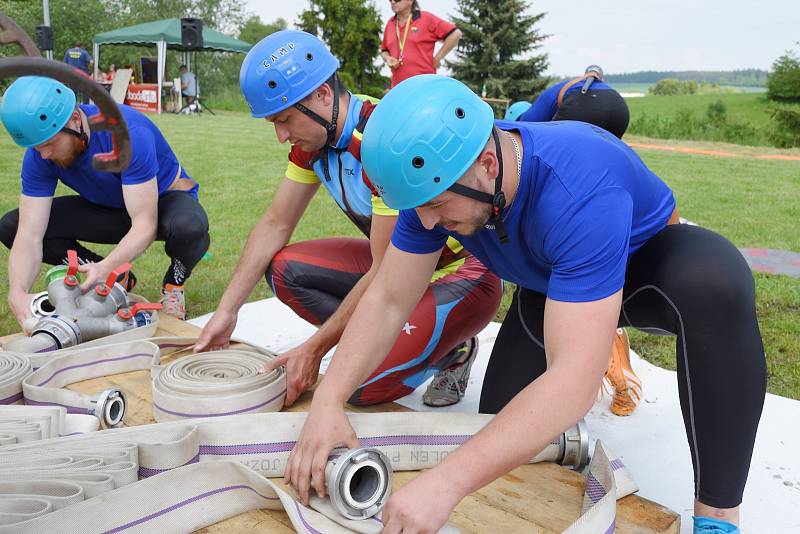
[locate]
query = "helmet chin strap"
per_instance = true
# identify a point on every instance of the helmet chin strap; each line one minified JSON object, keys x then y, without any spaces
{"x":498,"y":200}
{"x":79,"y":134}
{"x":330,"y":127}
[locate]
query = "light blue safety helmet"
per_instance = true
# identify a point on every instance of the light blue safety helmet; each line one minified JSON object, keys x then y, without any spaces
{"x":282,"y":69}
{"x":516,"y":109}
{"x":36,"y":108}
{"x":422,"y":137}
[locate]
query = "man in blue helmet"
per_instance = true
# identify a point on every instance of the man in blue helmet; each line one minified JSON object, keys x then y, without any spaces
{"x":153,"y":199}
{"x":290,"y":79}
{"x":586,"y":98}
{"x":571,"y":215}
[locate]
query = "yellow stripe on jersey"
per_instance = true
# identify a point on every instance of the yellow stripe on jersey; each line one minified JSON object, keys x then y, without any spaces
{"x":379,"y":208}
{"x":300,"y":175}
{"x":368,"y":98}
{"x":454,"y":245}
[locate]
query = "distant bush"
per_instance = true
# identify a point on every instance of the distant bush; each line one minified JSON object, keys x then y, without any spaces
{"x":784,"y":82}
{"x":685,"y":124}
{"x":787,"y":132}
{"x":671,"y":86}
{"x":716,"y":112}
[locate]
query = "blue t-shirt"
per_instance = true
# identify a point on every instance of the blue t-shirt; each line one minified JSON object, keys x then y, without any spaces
{"x":78,"y":58}
{"x":151,"y":156}
{"x":585,"y":203}
{"x":545,"y":106}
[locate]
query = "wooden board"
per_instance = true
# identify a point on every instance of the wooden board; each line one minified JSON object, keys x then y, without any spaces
{"x":541,"y":498}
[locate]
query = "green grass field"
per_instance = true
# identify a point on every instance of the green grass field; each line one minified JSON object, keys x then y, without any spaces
{"x":746,"y":107}
{"x":748,"y":116}
{"x":238,"y":162}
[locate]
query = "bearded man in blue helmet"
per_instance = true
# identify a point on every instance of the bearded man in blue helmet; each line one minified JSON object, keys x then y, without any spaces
{"x":153,"y":199}
{"x":571,"y":215}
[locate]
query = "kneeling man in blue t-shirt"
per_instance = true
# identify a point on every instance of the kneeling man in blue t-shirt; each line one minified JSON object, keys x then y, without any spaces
{"x":153,"y":199}
{"x":588,"y":233}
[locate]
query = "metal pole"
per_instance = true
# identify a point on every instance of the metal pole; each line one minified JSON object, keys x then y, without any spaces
{"x":46,"y":12}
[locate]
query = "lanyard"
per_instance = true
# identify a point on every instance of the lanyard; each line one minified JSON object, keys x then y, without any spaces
{"x":401,"y":44}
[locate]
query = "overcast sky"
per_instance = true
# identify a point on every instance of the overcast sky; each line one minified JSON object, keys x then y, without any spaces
{"x":634,"y":35}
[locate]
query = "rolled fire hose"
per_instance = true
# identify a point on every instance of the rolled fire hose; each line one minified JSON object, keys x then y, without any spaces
{"x":13,"y":370}
{"x":204,"y":385}
{"x":184,"y":496}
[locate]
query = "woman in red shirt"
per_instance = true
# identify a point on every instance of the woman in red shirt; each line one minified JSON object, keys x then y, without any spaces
{"x":409,"y":39}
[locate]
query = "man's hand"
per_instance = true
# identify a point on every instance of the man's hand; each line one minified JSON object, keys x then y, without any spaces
{"x":392,"y":62}
{"x":423,"y":505}
{"x":326,"y":428}
{"x":216,"y":334}
{"x":436,"y":62}
{"x":302,"y":370}
{"x":20,"y":304}
{"x":93,"y":273}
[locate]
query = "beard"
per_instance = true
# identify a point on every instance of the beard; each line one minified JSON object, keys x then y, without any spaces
{"x":74,"y":149}
{"x":473,"y":225}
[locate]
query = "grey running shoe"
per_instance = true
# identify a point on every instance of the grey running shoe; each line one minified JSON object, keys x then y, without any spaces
{"x":449,"y":385}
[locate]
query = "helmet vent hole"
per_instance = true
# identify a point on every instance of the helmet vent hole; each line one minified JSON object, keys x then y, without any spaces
{"x":418,"y":162}
{"x":272,"y":84}
{"x":436,"y":180}
{"x":310,"y":56}
{"x":58,"y":90}
{"x":43,"y":117}
{"x":460,"y":113}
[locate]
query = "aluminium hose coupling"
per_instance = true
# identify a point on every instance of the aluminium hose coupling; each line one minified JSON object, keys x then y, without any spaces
{"x":359,"y":482}
{"x":41,"y":306}
{"x":575,"y":444}
{"x":64,"y":332}
{"x":110,"y":407}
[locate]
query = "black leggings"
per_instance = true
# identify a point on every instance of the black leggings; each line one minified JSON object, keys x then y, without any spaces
{"x":182,"y":225}
{"x":604,"y":108}
{"x":694,"y":284}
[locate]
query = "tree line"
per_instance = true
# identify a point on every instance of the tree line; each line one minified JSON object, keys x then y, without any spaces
{"x":738,"y":78}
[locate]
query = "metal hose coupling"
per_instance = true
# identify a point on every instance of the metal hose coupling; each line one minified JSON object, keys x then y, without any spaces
{"x":359,"y":482}
{"x":109,"y":407}
{"x":63,"y":331}
{"x":575,"y":446}
{"x":41,"y":305}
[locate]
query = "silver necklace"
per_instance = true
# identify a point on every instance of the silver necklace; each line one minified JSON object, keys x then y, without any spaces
{"x":516,"y":152}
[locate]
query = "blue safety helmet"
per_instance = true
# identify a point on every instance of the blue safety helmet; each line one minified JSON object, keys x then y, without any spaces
{"x":282,"y":69}
{"x":422,"y":137}
{"x":516,"y":109}
{"x":36,"y":108}
{"x":285,"y":67}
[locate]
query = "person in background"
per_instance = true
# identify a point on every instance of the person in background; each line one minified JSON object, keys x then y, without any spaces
{"x":188,"y":85}
{"x":112,"y":71}
{"x":82,"y":61}
{"x":409,"y":39}
{"x":516,"y":109}
{"x":79,"y":58}
{"x":586,"y":98}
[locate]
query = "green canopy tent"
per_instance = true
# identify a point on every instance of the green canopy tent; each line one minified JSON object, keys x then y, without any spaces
{"x":163,"y":34}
